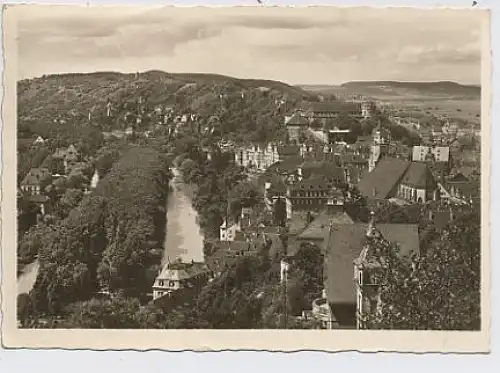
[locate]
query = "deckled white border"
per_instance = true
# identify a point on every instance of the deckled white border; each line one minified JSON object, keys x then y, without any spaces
{"x":234,"y":340}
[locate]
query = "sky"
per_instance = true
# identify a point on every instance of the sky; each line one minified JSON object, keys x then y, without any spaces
{"x":317,"y":45}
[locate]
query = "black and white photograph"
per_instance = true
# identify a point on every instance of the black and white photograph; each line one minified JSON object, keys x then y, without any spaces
{"x":248,"y":168}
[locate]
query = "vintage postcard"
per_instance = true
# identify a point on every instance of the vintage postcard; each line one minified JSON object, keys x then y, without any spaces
{"x":246,"y":178}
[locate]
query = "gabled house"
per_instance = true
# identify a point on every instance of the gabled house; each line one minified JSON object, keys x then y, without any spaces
{"x":179,"y":276}
{"x":370,"y":262}
{"x":295,"y":124}
{"x":398,"y":178}
{"x":343,"y":245}
{"x":35,"y":181}
{"x":418,"y":184}
{"x":382,"y":182}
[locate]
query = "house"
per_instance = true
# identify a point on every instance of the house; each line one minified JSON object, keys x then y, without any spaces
{"x":257,"y":156}
{"x":313,"y":193}
{"x":331,"y":109}
{"x":35,"y":181}
{"x":439,"y":154}
{"x":179,"y":276}
{"x":295,"y":124}
{"x":39,"y":141}
{"x":382,"y":182}
{"x":333,"y":214}
{"x":370,"y":262}
{"x":393,"y":177}
{"x":41,"y":201}
{"x":367,"y":109}
{"x":227,"y":253}
{"x":355,"y":167}
{"x":418,"y":184}
{"x":343,"y":244}
{"x":465,"y":192}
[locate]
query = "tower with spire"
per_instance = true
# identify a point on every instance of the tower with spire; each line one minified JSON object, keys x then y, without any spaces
{"x":366,"y":265}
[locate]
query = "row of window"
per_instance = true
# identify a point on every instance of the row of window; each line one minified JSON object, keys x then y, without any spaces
{"x":308,"y":201}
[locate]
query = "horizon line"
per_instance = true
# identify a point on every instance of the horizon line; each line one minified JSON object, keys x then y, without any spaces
{"x":254,"y":78}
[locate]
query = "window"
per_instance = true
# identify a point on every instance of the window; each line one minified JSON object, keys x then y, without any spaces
{"x":160,"y":293}
{"x":360,"y":277}
{"x":161,"y":282}
{"x":171,"y":284}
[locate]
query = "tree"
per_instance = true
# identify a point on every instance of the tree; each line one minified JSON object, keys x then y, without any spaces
{"x":439,"y":290}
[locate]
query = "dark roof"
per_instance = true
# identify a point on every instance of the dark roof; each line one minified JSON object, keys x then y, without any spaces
{"x":353,"y":159}
{"x":458,"y":178}
{"x":285,"y":166}
{"x":419,"y":176}
{"x":381,"y":182}
{"x":297,"y":120}
{"x":326,"y":169}
{"x":343,"y":245}
{"x":470,"y":189}
{"x":36,"y":176}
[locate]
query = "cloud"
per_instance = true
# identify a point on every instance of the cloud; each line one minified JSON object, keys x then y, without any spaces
{"x":308,"y":45}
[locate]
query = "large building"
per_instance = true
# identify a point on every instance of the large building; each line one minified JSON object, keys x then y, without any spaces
{"x":179,"y":276}
{"x":370,"y":262}
{"x":295,"y":124}
{"x":440,"y":154}
{"x":261,"y":157}
{"x":397,"y":178}
{"x":343,"y":245}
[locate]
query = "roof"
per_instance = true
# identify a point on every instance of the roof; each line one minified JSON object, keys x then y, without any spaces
{"x":36,"y":176}
{"x":353,"y":159}
{"x":296,"y":120}
{"x":458,"y":178}
{"x":182,"y":271}
{"x":289,"y":150}
{"x":287,"y":165}
{"x":470,"y":189}
{"x":39,"y":198}
{"x":317,"y":229}
{"x":325,"y":169}
{"x":343,"y":245}
{"x":381,"y":182}
{"x":419,"y":176}
{"x":333,"y":106}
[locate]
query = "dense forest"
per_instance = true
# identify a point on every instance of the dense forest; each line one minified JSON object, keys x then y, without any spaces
{"x":112,"y":241}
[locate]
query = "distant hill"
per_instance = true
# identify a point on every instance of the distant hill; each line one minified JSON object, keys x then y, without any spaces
{"x":444,"y":87}
{"x":72,"y":97}
{"x":379,"y":89}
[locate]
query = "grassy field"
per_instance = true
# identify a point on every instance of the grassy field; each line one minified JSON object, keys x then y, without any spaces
{"x":439,"y":99}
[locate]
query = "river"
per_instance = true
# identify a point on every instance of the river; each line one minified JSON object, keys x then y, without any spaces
{"x":183,"y":237}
